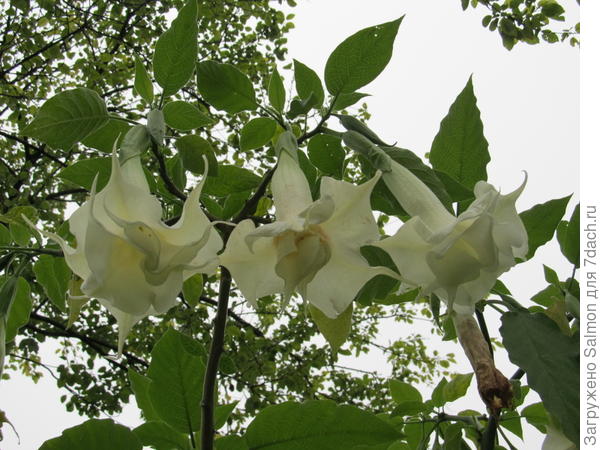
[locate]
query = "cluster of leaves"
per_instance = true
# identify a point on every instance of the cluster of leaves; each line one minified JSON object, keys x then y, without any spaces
{"x":269,"y":355}
{"x":273,"y":356}
{"x":525,"y":21}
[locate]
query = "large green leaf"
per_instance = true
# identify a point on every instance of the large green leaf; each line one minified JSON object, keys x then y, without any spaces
{"x":184,"y":116}
{"x":83,"y":172}
{"x":68,"y":118}
{"x":276,"y":91}
{"x":177,"y":373}
{"x":95,"y":434}
{"x":176,"y":50}
{"x":142,"y":84}
{"x":551,"y":361}
{"x":307,"y":83}
{"x":326,"y":153}
{"x":316,"y":424}
{"x":104,"y":138}
{"x":359,"y":59}
{"x":257,"y":133}
{"x":161,"y":436}
{"x":191,"y":149}
{"x":337,"y":330}
{"x":457,"y":387}
{"x":140,"y":386}
{"x":568,"y":237}
{"x":403,"y":392}
{"x":54,"y":275}
{"x":541,"y":221}
{"x":225,"y":87}
{"x":460,"y":148}
{"x":18,"y":314}
{"x":231,"y":179}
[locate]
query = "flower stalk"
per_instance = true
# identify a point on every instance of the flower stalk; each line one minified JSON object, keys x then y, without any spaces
{"x":494,"y":388}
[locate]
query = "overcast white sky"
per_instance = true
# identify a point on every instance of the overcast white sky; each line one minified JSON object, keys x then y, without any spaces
{"x":529,"y":101}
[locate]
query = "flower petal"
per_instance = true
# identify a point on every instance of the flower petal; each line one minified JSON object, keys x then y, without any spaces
{"x":352,"y":220}
{"x":415,"y":197}
{"x":408,"y":249}
{"x":253,"y":272}
{"x":74,"y":257}
{"x":335,"y":285}
{"x":291,"y":193}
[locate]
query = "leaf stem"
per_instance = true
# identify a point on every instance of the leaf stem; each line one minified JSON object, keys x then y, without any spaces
{"x":319,"y":126}
{"x":212,"y":365}
{"x":41,"y":251}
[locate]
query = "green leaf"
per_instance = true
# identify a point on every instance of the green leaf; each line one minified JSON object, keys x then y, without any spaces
{"x":231,"y":443}
{"x":344,"y":101}
{"x":351,"y":123}
{"x":161,"y":436}
{"x":301,"y":107}
{"x":316,"y":424}
{"x":191,"y":149}
{"x":184,"y":116}
{"x":54,"y":275}
{"x":536,"y":415}
{"x":307,"y":83}
{"x":5,"y":236}
{"x":404,"y":392}
{"x":460,"y":149}
{"x":511,"y":420}
{"x":380,"y":286}
{"x":18,"y":314}
{"x":547,"y":296}
{"x":21,"y":234}
{"x":176,"y":172}
{"x":222,"y":413}
{"x":455,"y":190}
{"x":192,"y":289}
{"x":337,"y":330}
{"x":568,"y":237}
{"x":541,"y":221}
{"x":68,"y":118}
{"x":326,"y":153}
{"x":551,"y":361}
{"x":231,"y":179}
{"x":457,"y":387}
{"x":140,"y":385}
{"x":142,"y":84}
{"x":256,"y":133}
{"x":103,"y":139}
{"x":276,"y":91}
{"x":437,"y":396}
{"x":225,"y":87}
{"x":359,"y":59}
{"x":177,"y":376}
{"x":83,"y":172}
{"x":176,"y":50}
{"x":95,"y":434}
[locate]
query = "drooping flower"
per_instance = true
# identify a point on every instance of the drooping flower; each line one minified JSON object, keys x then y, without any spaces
{"x":457,"y":258}
{"x":314,"y":246}
{"x":128,"y":259}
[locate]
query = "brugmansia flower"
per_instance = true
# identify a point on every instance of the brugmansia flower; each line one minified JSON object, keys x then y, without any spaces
{"x":126,"y":256}
{"x":313,"y":248}
{"x":457,"y":258}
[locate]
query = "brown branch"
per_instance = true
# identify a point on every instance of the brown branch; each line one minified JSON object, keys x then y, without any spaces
{"x":234,"y":316}
{"x":94,"y":343}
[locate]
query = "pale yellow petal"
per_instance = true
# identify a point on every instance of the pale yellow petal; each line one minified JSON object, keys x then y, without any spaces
{"x":253,"y":272}
{"x":291,"y":193}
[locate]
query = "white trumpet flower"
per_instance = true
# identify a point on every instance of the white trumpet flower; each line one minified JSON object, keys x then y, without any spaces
{"x":457,"y":258}
{"x":128,"y":259}
{"x":313,"y":248}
